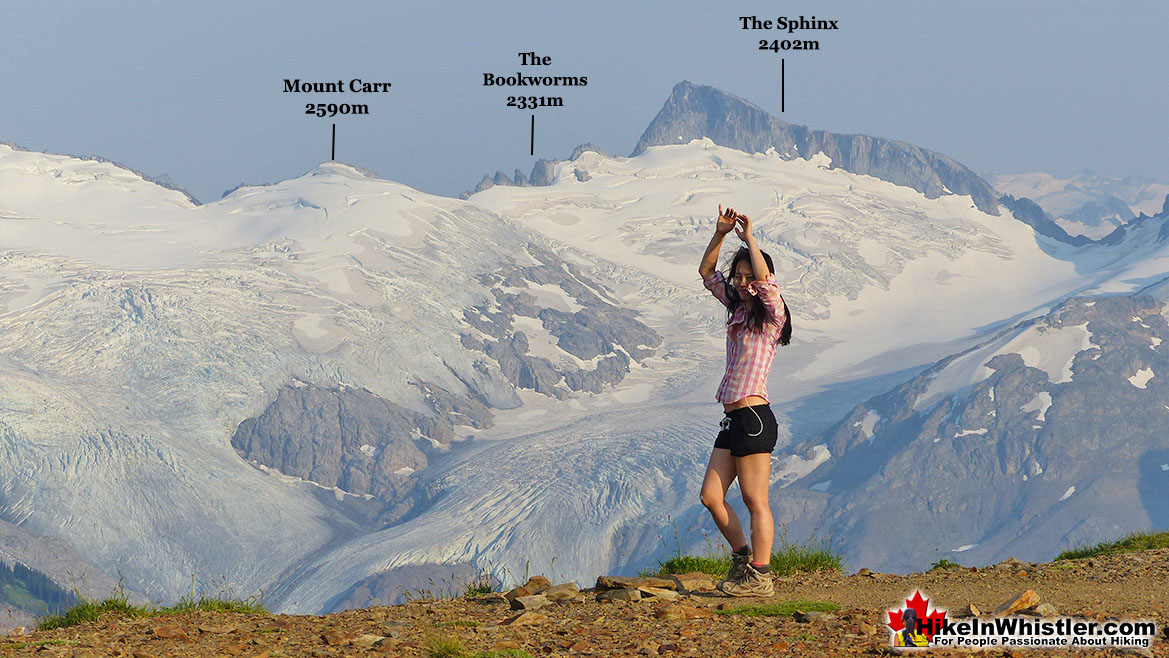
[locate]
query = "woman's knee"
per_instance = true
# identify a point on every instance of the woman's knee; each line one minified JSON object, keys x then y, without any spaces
{"x":712,"y":498}
{"x":757,"y":504}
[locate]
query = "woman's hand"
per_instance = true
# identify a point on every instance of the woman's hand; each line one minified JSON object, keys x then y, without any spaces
{"x":742,"y":227}
{"x":726,"y":221}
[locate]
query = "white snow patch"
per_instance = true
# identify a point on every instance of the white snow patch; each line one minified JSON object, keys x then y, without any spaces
{"x":991,"y":393}
{"x":1067,"y":494}
{"x":1141,"y":377}
{"x":793,"y":467}
{"x":1041,"y":403}
{"x":821,"y":486}
{"x":981,"y":430}
{"x":1165,"y":467}
{"x":368,"y":450}
{"x":967,"y":547}
{"x":1154,"y":341}
{"x":1051,"y":351}
{"x":868,"y":423}
{"x":405,"y":470}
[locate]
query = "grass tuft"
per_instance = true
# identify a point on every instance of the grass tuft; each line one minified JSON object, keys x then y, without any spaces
{"x":91,"y":610}
{"x":944,"y":564}
{"x":450,"y":647}
{"x":789,"y":558}
{"x":1134,"y":541}
{"x":88,"y":611}
{"x":780,"y":609}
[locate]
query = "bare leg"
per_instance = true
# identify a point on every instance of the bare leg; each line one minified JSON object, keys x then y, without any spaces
{"x":720,"y":472}
{"x":754,"y":478}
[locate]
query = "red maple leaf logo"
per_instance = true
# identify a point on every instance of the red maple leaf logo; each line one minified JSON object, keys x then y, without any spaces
{"x":930,"y":622}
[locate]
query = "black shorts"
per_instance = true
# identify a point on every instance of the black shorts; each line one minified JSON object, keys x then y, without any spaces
{"x":748,"y":430}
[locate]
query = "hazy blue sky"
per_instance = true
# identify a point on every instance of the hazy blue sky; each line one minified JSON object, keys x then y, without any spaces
{"x":193,"y":89}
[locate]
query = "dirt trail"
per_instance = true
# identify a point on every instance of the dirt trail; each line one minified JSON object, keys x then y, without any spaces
{"x":1129,"y":586}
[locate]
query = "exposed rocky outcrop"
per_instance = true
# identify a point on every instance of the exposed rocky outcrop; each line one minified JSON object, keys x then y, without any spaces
{"x":1018,"y":457}
{"x":599,"y":330}
{"x":1029,"y":212}
{"x":543,"y":173}
{"x":353,"y":440}
{"x":697,"y":111}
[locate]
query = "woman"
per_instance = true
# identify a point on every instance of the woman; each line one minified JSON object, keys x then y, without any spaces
{"x":757,"y":321}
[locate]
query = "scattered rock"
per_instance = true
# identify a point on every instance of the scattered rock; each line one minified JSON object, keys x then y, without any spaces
{"x":1024,"y":601}
{"x":866,"y":628}
{"x":658,"y":592}
{"x":1046,"y":610}
{"x":218,"y":630}
{"x":807,"y":617}
{"x":619,"y":595}
{"x":517,"y":592}
{"x":335,"y":638}
{"x":619,"y":582}
{"x":675,"y":612}
{"x":367,"y":641}
{"x":529,"y":602}
{"x":694,"y":581}
{"x":524,"y":619}
{"x":969,"y":610}
{"x":669,"y":647}
{"x":537,"y":584}
{"x":170,"y":632}
{"x":504,"y":645}
{"x":563,"y":587}
{"x":865,"y":572}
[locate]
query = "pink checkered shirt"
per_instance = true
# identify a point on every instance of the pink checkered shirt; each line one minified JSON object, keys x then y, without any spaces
{"x":749,"y":351}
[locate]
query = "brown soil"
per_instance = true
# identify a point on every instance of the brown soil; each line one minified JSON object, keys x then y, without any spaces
{"x":1128,"y":586}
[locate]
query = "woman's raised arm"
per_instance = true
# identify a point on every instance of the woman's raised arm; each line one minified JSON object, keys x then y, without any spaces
{"x":726,"y":222}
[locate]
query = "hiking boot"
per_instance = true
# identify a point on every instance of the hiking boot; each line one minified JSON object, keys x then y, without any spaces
{"x":738,"y":567}
{"x":751,"y":583}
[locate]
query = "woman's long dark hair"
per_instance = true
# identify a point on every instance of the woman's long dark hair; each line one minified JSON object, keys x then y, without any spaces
{"x":758,"y":313}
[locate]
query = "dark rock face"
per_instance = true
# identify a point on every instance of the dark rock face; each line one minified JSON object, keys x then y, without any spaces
{"x":695,"y":111}
{"x":599,"y":329}
{"x":1093,"y":212}
{"x":1014,"y":464}
{"x":352,"y":439}
{"x":1029,"y":212}
{"x":542,"y":173}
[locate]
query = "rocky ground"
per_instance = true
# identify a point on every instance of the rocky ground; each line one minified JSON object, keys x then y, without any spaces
{"x":639,"y":617}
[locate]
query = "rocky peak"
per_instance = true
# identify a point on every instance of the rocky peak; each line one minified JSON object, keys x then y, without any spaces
{"x":696,"y":111}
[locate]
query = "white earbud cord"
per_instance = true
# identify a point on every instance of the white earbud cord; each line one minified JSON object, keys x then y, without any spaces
{"x":725,"y":423}
{"x":758,"y":419}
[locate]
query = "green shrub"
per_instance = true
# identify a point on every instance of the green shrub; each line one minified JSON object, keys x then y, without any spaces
{"x":944,"y":564}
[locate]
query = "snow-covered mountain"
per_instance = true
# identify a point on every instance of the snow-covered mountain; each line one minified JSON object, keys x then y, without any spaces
{"x":323,"y":387}
{"x":1087,"y":204}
